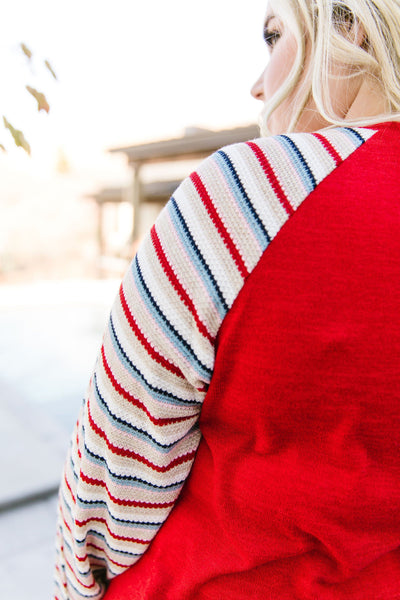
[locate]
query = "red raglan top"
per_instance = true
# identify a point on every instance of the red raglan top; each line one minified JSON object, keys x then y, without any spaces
{"x":294,"y":492}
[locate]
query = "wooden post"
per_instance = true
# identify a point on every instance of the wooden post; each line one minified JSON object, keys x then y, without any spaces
{"x":135,"y":198}
{"x":100,"y":229}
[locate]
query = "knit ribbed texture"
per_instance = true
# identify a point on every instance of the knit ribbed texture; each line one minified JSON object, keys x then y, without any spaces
{"x":137,"y":434}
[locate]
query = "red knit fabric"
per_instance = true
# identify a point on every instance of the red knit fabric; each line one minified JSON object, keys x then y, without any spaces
{"x":295,"y":490}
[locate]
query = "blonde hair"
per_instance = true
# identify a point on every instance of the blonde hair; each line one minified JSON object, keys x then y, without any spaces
{"x":323,"y":25}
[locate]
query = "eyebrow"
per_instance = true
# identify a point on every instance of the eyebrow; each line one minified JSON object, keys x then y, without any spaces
{"x":268,"y":19}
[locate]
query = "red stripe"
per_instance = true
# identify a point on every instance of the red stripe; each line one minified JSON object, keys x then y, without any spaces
{"x":125,"y":394}
{"x":149,"y":348}
{"x":107,"y":557}
{"x":64,"y":521}
{"x":272,"y":178}
{"x":329,"y":148}
{"x":88,"y":587}
{"x":77,"y":443}
{"x":176,"y":284}
{"x":116,"y":537}
{"x":223,"y":232}
{"x":91,"y":545}
{"x":69,"y":488}
{"x":119,"y":501}
{"x":83,"y":558}
{"x":133,"y":455}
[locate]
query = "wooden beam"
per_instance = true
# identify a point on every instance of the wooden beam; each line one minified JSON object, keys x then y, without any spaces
{"x":199,"y":144}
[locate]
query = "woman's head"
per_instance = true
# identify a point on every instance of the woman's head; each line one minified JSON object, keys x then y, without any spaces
{"x":330,"y":61}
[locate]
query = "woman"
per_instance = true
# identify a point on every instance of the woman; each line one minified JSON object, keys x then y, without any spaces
{"x":255,"y":344}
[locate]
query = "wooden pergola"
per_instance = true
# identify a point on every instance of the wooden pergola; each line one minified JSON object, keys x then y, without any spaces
{"x":195,"y":144}
{"x":156,"y":192}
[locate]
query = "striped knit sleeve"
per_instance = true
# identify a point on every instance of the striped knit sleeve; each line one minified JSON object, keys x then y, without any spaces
{"x":137,"y":434}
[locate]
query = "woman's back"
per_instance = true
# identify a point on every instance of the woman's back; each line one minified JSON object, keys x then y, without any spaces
{"x":295,"y":489}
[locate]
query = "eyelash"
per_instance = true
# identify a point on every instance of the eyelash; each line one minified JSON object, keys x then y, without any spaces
{"x":271,"y":37}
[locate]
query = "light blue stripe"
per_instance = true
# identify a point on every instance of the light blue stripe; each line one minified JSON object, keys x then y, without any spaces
{"x":168,"y":328}
{"x":157,"y":393}
{"x":123,"y":522}
{"x":102,"y":537}
{"x":129,"y":428}
{"x":355,"y":137}
{"x":81,"y":594}
{"x":126,"y":480}
{"x":83,"y":573}
{"x":298,"y":161}
{"x":103,"y":558}
{"x":89,"y":504}
{"x":243,"y":202}
{"x":198,"y":259}
{"x":83,"y":541}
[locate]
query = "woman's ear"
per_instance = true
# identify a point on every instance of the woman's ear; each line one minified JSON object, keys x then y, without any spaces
{"x":349,"y":26}
{"x":357,"y":34}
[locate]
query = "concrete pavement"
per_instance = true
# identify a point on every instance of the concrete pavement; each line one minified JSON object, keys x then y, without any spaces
{"x":27,"y":537}
{"x":32,"y":451}
{"x":49,"y":338}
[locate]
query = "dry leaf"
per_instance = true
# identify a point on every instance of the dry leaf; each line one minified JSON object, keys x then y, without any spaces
{"x":18,"y":136}
{"x":50,"y":68}
{"x":26,"y":51}
{"x":40,"y":98}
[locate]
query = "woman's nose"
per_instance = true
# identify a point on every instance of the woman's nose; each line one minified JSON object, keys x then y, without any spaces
{"x":257,"y":91}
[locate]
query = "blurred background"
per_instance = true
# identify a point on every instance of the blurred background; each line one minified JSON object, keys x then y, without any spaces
{"x":134,"y":94}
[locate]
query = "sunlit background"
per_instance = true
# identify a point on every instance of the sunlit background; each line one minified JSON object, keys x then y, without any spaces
{"x":128,"y":71}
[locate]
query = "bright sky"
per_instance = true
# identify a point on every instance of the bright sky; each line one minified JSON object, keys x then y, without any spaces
{"x":129,"y":70}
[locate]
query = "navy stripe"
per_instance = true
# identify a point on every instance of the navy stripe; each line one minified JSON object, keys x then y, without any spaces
{"x":302,"y":159}
{"x":104,"y":559}
{"x":83,"y":573}
{"x":101,"y":503}
{"x":355,"y":133}
{"x":197,"y":260}
{"x":156,"y":392}
{"x":239,"y":185}
{"x":81,"y":594}
{"x":103,"y":537}
{"x":199,"y":255}
{"x":126,"y":478}
{"x":139,"y":524}
{"x":129,"y":428}
{"x":182,"y":344}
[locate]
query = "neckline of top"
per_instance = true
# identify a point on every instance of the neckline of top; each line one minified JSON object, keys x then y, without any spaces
{"x":383,"y":125}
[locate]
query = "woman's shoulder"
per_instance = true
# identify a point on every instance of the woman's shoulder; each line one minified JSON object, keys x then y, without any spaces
{"x":318,"y":151}
{"x":271,"y":175}
{"x":226,"y":213}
